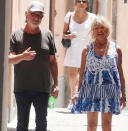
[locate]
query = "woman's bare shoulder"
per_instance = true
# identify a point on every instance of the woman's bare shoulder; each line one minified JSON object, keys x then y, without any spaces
{"x":85,"y":50}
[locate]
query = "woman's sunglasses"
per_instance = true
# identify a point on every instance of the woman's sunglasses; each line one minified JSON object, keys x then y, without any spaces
{"x":82,"y":1}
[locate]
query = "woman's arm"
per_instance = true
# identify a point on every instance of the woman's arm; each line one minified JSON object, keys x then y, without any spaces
{"x":67,"y":36}
{"x":83,"y":62}
{"x":66,"y":27}
{"x":122,"y":79}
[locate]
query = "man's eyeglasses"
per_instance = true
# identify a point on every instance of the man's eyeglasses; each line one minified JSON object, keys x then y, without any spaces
{"x":82,"y":1}
{"x":36,"y":15}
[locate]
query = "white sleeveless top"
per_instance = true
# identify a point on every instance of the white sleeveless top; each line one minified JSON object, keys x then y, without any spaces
{"x":73,"y":53}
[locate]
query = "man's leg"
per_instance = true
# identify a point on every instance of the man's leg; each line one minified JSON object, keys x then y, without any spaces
{"x":23,"y":101}
{"x":40,"y":103}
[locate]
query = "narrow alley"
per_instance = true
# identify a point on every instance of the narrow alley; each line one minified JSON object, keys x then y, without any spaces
{"x":59,"y":119}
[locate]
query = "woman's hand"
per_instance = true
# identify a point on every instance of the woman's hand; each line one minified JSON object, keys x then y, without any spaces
{"x":123,"y":102}
{"x":75,"y":99}
{"x":70,"y":36}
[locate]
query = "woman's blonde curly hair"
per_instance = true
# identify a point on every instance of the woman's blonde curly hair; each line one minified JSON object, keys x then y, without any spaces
{"x":105,"y":23}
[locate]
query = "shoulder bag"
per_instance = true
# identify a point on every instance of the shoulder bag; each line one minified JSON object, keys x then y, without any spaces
{"x":66,"y":42}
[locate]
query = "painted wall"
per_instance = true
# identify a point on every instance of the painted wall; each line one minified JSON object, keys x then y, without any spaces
{"x":122,"y":33}
{"x":18,"y":13}
{"x":62,"y":7}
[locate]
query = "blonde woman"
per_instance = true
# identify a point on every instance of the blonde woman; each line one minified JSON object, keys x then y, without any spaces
{"x":79,"y":23}
{"x":101,"y":82}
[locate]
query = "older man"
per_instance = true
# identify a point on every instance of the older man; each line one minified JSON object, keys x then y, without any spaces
{"x":32,"y":51}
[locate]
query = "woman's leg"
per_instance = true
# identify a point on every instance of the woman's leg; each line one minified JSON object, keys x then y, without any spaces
{"x":106,"y":121}
{"x":73,"y":79}
{"x":92,"y":119}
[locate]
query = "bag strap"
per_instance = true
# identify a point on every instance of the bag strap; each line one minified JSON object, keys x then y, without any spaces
{"x":69,"y":21}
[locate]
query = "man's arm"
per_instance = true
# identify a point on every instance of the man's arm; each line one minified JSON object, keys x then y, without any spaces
{"x":54,"y":72}
{"x":27,"y":55}
{"x":54,"y":69}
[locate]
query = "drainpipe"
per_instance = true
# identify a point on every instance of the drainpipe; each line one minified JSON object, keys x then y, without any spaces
{"x":50,"y":16}
{"x":114,"y":19}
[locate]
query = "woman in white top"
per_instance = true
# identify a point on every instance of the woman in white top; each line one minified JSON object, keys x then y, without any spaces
{"x":80,"y":23}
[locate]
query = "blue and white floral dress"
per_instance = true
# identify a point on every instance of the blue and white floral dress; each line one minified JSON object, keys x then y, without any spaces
{"x":101,"y":87}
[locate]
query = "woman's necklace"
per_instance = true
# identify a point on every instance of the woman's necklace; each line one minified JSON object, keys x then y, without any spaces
{"x":102,"y":49}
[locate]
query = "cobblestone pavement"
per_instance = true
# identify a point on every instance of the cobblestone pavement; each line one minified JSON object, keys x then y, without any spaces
{"x":60,"y":119}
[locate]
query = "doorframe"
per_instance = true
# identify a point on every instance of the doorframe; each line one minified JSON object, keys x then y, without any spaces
{"x":5,"y":15}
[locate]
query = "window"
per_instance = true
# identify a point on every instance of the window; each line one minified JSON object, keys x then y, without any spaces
{"x":91,"y":6}
{"x":125,"y":1}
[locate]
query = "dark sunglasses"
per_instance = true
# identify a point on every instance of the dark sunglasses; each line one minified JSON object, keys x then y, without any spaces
{"x":36,"y":15}
{"x":82,"y":1}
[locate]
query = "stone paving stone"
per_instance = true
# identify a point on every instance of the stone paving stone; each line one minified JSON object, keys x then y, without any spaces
{"x":60,"y":119}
